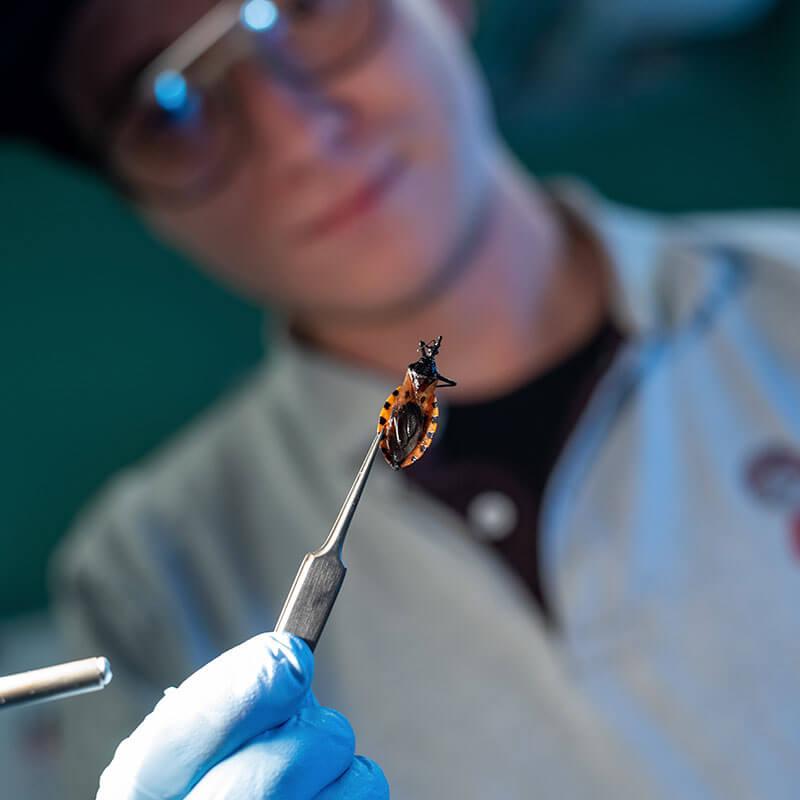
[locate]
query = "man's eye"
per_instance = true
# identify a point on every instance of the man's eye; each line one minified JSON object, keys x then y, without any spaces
{"x":174,"y":95}
{"x":154,"y":124}
{"x":183,"y":116}
{"x":305,"y":8}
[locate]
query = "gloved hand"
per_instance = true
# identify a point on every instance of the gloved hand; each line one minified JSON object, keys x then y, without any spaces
{"x":244,"y":727}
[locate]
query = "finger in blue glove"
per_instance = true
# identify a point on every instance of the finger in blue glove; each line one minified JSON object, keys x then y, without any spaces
{"x":363,"y":781}
{"x":296,"y":760}
{"x":243,"y":693}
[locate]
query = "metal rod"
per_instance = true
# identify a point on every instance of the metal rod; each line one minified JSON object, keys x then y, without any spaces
{"x":205,"y":33}
{"x":53,"y":683}
{"x":321,"y":575}
{"x":340,"y":527}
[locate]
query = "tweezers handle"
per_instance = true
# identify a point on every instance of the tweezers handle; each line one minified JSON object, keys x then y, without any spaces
{"x":310,"y":600}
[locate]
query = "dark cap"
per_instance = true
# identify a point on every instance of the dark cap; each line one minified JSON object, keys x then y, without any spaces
{"x":30,"y":34}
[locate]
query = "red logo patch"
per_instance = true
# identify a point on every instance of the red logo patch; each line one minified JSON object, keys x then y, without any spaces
{"x":774,"y":477}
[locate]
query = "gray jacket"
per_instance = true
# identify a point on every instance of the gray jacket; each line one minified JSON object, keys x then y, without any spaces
{"x":670,"y":544}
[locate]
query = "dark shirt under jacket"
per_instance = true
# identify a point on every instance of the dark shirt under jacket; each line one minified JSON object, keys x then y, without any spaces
{"x":492,"y":460}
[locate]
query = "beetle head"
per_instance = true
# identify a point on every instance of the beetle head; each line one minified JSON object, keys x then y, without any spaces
{"x":424,"y":369}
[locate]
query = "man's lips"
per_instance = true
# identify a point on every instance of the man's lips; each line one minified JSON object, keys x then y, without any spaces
{"x":355,"y":204}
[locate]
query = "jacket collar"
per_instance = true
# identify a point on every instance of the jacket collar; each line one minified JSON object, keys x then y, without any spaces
{"x":336,"y":398}
{"x":663,"y":270}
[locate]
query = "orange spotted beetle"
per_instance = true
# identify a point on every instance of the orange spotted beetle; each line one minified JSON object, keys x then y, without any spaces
{"x":410,"y":415}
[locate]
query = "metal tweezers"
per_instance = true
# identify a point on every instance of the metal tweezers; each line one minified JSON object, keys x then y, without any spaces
{"x":305,"y":612}
{"x":321,"y":575}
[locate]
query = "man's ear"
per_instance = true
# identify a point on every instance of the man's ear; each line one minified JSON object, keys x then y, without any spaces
{"x":463,"y":12}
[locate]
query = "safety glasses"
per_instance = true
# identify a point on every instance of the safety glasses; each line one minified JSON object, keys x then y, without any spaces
{"x":178,"y":132}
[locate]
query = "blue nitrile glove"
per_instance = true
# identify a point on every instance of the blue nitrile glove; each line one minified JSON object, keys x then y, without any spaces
{"x":244,"y":727}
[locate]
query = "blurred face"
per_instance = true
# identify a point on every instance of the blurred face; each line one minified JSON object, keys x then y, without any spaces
{"x":355,"y":191}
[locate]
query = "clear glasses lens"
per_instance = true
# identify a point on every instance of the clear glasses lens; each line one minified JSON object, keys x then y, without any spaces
{"x":184,"y":134}
{"x":183,"y":149}
{"x":320,"y":36}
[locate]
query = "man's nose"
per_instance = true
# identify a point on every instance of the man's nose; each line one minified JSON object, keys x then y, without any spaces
{"x":293,"y":123}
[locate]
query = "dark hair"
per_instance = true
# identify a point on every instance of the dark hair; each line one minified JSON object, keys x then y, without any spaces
{"x":30,"y":109}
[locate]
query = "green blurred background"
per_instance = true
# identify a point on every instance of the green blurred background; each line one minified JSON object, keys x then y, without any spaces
{"x":109,"y":342}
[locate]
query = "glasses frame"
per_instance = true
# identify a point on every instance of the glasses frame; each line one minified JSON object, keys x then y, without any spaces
{"x":224,"y":19}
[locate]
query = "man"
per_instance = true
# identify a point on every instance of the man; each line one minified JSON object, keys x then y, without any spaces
{"x":620,"y":435}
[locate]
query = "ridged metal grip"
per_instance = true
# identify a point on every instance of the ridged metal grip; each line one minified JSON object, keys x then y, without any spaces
{"x":311,"y":598}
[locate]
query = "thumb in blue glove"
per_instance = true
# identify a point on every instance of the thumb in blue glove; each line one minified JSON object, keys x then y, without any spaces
{"x":245,"y":726}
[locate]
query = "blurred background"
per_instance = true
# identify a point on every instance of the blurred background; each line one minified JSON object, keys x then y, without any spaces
{"x":108,"y":343}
